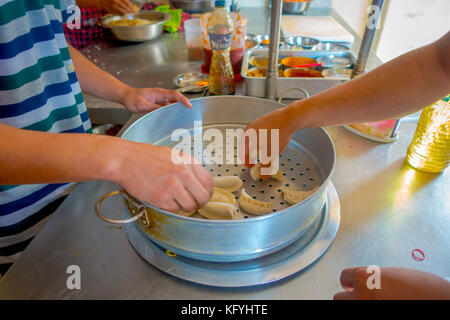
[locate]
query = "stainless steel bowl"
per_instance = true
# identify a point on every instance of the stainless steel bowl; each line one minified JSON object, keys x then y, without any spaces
{"x":308,"y":162}
{"x":193,"y":6}
{"x":301,"y":43}
{"x":188,"y":79}
{"x":137,"y":33}
{"x":295,"y":7}
{"x":336,"y":60}
{"x":252,"y":41}
{"x":341,"y":74}
{"x":330,"y":46}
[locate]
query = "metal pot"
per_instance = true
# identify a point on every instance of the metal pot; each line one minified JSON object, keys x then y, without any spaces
{"x":295,"y":7}
{"x":137,"y":33}
{"x":299,"y":42}
{"x":193,"y":6}
{"x":310,"y":154}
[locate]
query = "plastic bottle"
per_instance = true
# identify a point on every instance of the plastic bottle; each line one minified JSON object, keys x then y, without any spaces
{"x":430,"y":149}
{"x":220,"y":29}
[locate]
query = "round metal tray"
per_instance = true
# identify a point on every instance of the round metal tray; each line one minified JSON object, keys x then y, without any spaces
{"x":273,"y":267}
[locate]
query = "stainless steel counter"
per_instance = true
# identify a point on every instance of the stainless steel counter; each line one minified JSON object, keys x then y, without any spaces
{"x":156,"y":63}
{"x":387,"y":210}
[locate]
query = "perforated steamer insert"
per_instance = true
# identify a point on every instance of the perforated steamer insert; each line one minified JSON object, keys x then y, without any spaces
{"x":298,"y":167}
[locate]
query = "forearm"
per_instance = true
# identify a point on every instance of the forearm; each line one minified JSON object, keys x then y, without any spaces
{"x":401,"y":86}
{"x":95,"y":81}
{"x":38,"y":157}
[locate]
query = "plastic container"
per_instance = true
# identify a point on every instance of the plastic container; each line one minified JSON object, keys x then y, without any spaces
{"x":193,"y":35}
{"x":429,"y":150}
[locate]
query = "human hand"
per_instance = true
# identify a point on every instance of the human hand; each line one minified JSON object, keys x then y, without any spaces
{"x":148,"y":99}
{"x":148,"y":173}
{"x":395,"y":284}
{"x":120,"y":7}
{"x":277,"y":119}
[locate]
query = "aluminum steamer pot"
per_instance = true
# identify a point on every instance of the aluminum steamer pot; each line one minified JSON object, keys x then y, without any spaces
{"x":232,"y":240}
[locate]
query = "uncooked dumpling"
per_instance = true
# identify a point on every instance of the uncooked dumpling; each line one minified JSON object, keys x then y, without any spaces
{"x":254,"y":206}
{"x":255,"y":173}
{"x":222,"y":195}
{"x":229,"y":183}
{"x":292,"y":196}
{"x":186,"y":214}
{"x":219,"y":211}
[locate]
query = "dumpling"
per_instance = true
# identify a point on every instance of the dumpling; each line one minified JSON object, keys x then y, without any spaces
{"x":222,"y":195}
{"x":255,"y":173}
{"x":186,"y":214}
{"x":229,"y":183}
{"x":219,"y":211}
{"x":254,"y":206}
{"x":292,"y":196}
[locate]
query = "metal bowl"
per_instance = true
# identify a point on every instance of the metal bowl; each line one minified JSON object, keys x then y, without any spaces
{"x":252,"y":41}
{"x":137,"y":33}
{"x":341,"y":74}
{"x":338,"y":60}
{"x":330,"y":46}
{"x":188,"y":79}
{"x":193,"y":6}
{"x":301,"y":43}
{"x":308,"y":160}
{"x":295,"y":7}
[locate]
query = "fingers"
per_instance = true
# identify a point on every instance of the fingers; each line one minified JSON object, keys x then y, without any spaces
{"x":175,"y":95}
{"x":348,"y":278}
{"x":123,"y":7}
{"x":199,"y":191}
{"x":204,"y":178}
{"x":169,"y":205}
{"x":184,"y":198}
{"x":346,"y":295}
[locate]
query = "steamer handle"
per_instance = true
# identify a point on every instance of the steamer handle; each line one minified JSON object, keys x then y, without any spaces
{"x":140,"y":207}
{"x":292,"y":89}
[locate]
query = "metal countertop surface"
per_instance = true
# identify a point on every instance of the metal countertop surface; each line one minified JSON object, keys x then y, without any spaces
{"x":156,"y":63}
{"x":387,"y":210}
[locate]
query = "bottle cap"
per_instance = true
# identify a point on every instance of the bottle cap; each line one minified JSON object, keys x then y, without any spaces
{"x":220,"y":3}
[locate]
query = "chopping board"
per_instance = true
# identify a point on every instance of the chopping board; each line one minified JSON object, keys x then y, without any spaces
{"x":324,"y":28}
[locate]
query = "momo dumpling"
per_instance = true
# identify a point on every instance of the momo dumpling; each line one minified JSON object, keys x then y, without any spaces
{"x":254,"y":206}
{"x":229,"y":183}
{"x":292,"y":196}
{"x":219,"y":211}
{"x":186,"y":214}
{"x":255,"y":173}
{"x":222,"y":195}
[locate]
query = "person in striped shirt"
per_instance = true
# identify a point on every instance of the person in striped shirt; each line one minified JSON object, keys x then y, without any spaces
{"x":44,"y":147}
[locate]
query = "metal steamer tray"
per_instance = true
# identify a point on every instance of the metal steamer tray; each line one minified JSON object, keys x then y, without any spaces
{"x":306,"y":163}
{"x":286,"y":262}
{"x":255,"y":86}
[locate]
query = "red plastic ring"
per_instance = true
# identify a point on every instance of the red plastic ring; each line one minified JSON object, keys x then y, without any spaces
{"x":413,"y":253}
